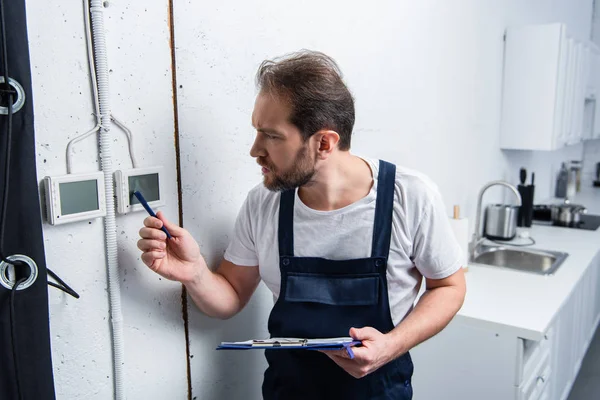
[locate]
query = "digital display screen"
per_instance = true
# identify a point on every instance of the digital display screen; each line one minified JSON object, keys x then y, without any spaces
{"x":78,"y":197}
{"x":147,"y":185}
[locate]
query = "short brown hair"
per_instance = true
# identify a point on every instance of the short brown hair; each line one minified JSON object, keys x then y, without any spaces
{"x":312,"y":82}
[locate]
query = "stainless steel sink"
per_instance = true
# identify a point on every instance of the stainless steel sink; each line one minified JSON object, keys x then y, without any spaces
{"x":542,"y":262}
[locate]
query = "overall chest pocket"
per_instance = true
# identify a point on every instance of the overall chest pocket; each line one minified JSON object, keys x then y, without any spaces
{"x":337,"y":290}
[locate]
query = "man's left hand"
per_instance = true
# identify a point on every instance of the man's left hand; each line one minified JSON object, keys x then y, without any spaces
{"x":374,"y":353}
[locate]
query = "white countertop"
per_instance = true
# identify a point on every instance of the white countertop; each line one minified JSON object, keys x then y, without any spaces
{"x":522,"y":303}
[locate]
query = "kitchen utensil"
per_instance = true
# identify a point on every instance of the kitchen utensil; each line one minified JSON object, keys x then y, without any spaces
{"x":501,"y":221}
{"x":528,"y":206}
{"x":543,"y":215}
{"x":525,"y":212}
{"x":562,"y":180}
{"x":597,"y":181}
{"x":574,"y":179}
{"x":522,"y":191}
{"x":566,"y":214}
{"x":523,"y":175}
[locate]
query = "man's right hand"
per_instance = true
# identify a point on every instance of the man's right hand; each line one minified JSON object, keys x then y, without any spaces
{"x":177,"y":258}
{"x":221,"y":294}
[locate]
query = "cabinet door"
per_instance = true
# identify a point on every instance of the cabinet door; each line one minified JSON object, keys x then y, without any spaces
{"x":554,"y":388}
{"x":569,"y":91}
{"x":560,"y":115}
{"x":530,"y":87}
{"x":595,"y":76}
{"x":588,"y":303}
{"x":577,"y":327}
{"x":597,"y":287}
{"x":589,"y":95}
{"x":565,"y":358}
{"x":577,"y":95}
{"x":582,"y":79}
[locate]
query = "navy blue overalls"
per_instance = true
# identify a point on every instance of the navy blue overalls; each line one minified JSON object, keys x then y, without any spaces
{"x":324,"y":298}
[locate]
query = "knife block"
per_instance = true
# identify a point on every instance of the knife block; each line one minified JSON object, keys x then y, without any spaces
{"x":525,"y":214}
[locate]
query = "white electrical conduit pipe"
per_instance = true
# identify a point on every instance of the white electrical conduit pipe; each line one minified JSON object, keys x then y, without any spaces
{"x":96,"y":105}
{"x":110,"y":228}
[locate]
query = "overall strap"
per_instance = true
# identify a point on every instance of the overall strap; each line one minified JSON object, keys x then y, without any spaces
{"x":286,"y":223}
{"x":382,"y":229}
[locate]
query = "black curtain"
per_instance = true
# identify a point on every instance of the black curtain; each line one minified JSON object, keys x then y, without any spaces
{"x":23,"y":235}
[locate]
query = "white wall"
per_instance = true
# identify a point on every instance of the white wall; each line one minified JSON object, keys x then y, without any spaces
{"x":427,"y":80}
{"x":141,"y":96}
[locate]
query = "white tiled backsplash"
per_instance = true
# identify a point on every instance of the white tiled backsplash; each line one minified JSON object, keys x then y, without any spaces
{"x":591,"y":156}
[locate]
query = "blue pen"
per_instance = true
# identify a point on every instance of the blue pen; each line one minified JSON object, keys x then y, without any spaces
{"x":349,"y":351}
{"x":348,"y":347}
{"x":147,"y":207}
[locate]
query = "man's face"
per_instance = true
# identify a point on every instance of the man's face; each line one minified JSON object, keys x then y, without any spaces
{"x":288,"y":162}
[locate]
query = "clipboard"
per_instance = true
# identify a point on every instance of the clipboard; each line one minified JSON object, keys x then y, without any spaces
{"x":293,"y":344}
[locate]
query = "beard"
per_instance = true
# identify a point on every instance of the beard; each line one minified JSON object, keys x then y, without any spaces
{"x":301,"y":173}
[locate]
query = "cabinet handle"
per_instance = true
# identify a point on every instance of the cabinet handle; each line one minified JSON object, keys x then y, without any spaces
{"x":541,"y":378}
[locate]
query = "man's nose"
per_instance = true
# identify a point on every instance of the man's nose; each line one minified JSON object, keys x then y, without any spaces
{"x":257,"y":149}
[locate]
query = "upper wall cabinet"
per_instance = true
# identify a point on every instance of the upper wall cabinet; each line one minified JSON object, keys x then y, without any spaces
{"x":550,"y":86}
{"x":592,"y":116}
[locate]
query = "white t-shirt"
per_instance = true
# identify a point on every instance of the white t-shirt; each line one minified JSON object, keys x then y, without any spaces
{"x":422,"y":242}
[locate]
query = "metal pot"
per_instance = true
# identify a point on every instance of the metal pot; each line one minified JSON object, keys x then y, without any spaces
{"x":501,"y":221}
{"x":566,"y":214}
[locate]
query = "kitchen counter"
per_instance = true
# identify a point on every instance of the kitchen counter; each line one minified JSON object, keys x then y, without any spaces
{"x":523,"y":303}
{"x":519,"y":335}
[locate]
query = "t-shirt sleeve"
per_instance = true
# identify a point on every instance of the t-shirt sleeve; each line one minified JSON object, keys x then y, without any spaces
{"x":242,"y":250}
{"x":436,"y":252}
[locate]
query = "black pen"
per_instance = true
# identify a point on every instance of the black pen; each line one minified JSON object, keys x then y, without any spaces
{"x":147,"y":207}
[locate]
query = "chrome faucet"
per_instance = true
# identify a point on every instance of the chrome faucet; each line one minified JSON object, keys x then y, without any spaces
{"x":477,"y":235}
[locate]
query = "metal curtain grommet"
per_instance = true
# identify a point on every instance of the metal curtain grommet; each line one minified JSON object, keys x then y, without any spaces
{"x":8,"y":282}
{"x":19,"y":101}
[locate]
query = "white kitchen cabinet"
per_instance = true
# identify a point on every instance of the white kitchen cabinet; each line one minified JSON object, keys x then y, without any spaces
{"x":565,"y":101}
{"x":545,"y":85}
{"x":565,"y":358}
{"x":575,"y":326}
{"x":567,"y":137}
{"x":485,"y":361}
{"x":595,"y":89}
{"x":591,"y":91}
{"x":578,"y":94}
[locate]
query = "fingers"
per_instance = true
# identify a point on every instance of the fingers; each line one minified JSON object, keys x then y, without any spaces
{"x":173,"y":229}
{"x":366,"y":333}
{"x":336,"y":353}
{"x":152,"y":234}
{"x":153,"y":222}
{"x":148,"y":244}
{"x":150,"y":257}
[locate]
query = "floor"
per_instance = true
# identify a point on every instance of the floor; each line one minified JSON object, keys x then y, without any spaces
{"x":587,"y":384}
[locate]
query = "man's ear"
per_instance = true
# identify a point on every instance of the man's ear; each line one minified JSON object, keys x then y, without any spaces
{"x":327,"y":142}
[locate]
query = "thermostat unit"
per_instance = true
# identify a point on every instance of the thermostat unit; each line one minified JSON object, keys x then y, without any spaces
{"x":147,"y":180}
{"x":74,"y":197}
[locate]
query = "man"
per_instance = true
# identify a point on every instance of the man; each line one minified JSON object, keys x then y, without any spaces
{"x":342,"y":242}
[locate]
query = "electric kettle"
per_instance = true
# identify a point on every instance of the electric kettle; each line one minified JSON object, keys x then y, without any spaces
{"x":501,"y":221}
